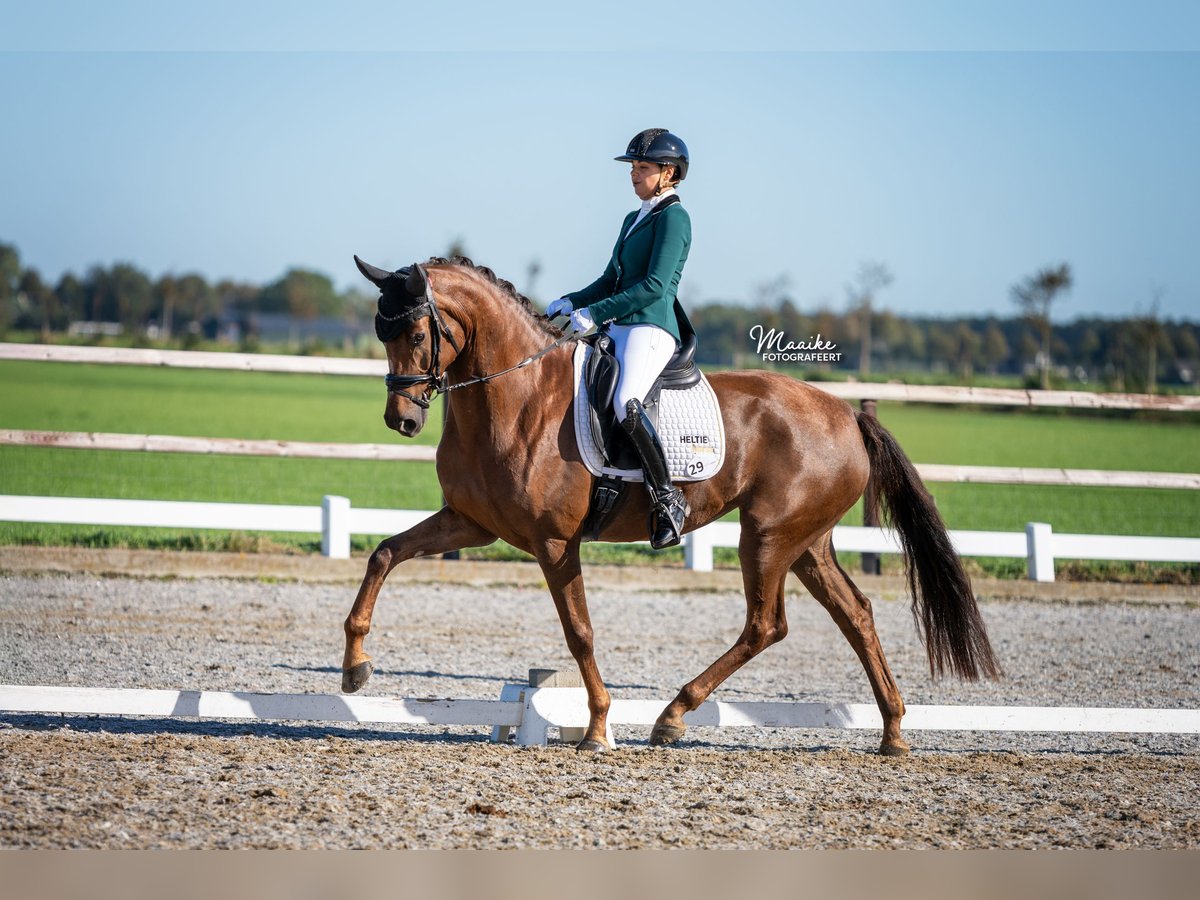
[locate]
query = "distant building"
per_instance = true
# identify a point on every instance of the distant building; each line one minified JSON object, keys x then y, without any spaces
{"x":95,"y":329}
{"x":281,"y":328}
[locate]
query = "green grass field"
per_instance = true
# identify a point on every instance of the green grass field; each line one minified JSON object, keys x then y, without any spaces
{"x":62,"y":397}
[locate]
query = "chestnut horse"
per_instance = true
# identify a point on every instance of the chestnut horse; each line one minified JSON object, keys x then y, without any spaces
{"x":796,"y":460}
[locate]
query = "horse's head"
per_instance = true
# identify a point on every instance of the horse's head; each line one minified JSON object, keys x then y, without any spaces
{"x":419,"y":344}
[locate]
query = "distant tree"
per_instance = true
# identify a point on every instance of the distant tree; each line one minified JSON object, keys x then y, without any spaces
{"x":134,"y":294}
{"x":196,"y":298}
{"x":166,"y":295}
{"x":722,"y":331}
{"x":1089,"y":346}
{"x":825,"y":323}
{"x":98,"y":295}
{"x":37,"y":303}
{"x":1035,"y":296}
{"x":1116,"y":354}
{"x":358,"y":305}
{"x":1028,"y":347}
{"x":915,"y":344}
{"x":10,"y":273}
{"x":968,"y":346}
{"x":1187,"y":345}
{"x":1059,"y":348}
{"x":943,"y":346}
{"x":995,"y":347}
{"x":890,"y":333}
{"x":72,"y":299}
{"x":301,"y":293}
{"x":872,"y":277}
{"x":794,"y":324}
{"x":239,"y":297}
{"x":1148,"y":330}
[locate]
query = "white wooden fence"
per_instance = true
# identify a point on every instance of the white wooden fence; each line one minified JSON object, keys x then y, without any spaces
{"x":335,"y":520}
{"x":847,"y":390}
{"x":166,"y":443}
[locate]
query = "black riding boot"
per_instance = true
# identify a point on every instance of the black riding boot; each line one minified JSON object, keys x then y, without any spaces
{"x":668,"y":509}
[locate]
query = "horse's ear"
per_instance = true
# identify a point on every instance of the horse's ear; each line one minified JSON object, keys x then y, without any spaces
{"x":416,"y":281}
{"x":373,"y":274}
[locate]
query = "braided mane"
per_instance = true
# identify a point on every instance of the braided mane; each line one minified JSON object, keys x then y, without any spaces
{"x":506,"y":288}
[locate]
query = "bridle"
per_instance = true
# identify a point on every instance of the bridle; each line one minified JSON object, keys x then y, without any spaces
{"x":434,"y":377}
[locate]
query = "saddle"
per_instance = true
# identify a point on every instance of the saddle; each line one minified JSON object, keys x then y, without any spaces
{"x":681,"y":405}
{"x":601,"y":373}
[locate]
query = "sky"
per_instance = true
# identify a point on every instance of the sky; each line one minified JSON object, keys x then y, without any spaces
{"x":963,"y":145}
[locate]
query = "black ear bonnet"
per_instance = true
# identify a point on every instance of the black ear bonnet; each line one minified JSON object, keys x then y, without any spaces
{"x":403,"y":298}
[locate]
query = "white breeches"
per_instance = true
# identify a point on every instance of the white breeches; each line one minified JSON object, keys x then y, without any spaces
{"x":644,"y":351}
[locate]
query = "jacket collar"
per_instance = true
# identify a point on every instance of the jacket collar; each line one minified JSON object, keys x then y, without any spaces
{"x":668,"y":199}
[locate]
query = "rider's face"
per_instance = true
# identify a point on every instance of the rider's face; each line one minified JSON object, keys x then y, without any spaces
{"x":646,"y":177}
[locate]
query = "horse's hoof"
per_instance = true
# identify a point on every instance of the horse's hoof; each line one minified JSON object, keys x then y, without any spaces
{"x":666,"y":734}
{"x":353,"y":679}
{"x":897,"y":747}
{"x":590,"y":746}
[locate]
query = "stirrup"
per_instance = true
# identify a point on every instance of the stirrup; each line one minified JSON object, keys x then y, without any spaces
{"x":667,"y":516}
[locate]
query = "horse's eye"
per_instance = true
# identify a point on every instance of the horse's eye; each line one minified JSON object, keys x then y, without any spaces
{"x":418,"y":337}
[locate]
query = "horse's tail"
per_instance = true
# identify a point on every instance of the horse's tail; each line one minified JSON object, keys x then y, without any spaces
{"x":943,"y":602}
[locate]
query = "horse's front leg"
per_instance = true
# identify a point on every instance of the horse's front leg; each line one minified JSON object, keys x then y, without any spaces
{"x":564,"y":576}
{"x":442,"y":532}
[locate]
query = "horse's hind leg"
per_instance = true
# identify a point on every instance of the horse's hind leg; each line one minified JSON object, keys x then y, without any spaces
{"x":442,"y":532}
{"x":828,"y":582}
{"x":764,"y":569}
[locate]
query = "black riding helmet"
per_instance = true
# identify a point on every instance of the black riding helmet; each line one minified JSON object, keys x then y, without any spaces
{"x":657,"y":145}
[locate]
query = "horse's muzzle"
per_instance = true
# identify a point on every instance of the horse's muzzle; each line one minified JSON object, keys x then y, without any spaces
{"x":408,"y":424}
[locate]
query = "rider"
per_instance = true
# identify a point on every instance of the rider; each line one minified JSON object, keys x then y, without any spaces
{"x":634,"y":301}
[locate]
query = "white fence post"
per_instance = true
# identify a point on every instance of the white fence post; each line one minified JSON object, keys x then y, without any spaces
{"x":1039,"y":540}
{"x":335,"y":526}
{"x":698,"y":551}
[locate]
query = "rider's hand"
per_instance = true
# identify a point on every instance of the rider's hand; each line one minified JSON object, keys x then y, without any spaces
{"x":559,"y":307}
{"x":581,"y":321}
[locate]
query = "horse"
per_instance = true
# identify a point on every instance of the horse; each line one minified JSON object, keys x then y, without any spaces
{"x":797,"y":459}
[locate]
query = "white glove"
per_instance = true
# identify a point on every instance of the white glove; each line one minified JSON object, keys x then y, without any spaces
{"x":559,"y":307}
{"x":581,"y":321}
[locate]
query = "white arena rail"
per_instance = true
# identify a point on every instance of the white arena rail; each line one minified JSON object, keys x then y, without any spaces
{"x":527,"y":714}
{"x":246,"y":705}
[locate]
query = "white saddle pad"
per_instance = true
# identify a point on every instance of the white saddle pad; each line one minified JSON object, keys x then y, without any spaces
{"x":689,"y":426}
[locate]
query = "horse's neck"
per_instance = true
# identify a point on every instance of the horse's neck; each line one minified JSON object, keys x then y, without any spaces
{"x":501,"y":414}
{"x":503,"y":337}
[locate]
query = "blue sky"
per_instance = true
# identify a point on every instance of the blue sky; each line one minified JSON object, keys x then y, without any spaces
{"x":965,"y":150}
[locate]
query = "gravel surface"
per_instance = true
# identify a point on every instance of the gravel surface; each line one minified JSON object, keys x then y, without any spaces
{"x":108,"y":782}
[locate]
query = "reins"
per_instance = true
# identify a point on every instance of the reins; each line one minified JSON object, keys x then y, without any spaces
{"x":483,"y":379}
{"x":437,"y":379}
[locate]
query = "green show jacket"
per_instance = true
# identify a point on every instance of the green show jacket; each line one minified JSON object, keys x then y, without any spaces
{"x":639,"y":285}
